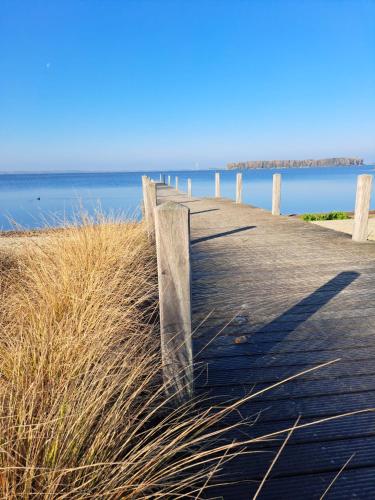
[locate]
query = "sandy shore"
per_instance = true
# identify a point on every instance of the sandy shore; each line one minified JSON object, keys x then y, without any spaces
{"x":13,"y":240}
{"x":346,"y":226}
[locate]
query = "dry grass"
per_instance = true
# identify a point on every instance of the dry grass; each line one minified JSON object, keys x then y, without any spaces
{"x":83,"y":412}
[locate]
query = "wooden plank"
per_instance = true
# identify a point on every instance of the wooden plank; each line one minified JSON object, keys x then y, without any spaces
{"x":173,"y":256}
{"x":309,"y":407}
{"x":221,"y":335}
{"x":362,"y":206}
{"x":257,"y":347}
{"x":293,"y":389}
{"x":288,"y":359}
{"x":356,"y":426}
{"x":303,"y":459}
{"x":363,"y":319}
{"x":352,"y":483}
{"x":295,"y":317}
{"x":270,"y":375}
{"x":349,"y":298}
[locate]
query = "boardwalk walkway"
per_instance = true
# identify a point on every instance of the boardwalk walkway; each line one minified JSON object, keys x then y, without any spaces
{"x":300,"y":295}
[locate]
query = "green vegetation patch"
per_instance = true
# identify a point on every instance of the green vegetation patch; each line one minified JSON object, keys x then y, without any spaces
{"x":329,"y":216}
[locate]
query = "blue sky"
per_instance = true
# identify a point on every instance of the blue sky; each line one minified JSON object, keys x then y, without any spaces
{"x":132,"y":84}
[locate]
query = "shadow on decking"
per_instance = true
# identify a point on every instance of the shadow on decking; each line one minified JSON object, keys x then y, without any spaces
{"x":249,"y":352}
{"x":220,"y":235}
{"x":315,"y":301}
{"x":279,"y":408}
{"x":247,"y":347}
{"x":293,"y":317}
{"x":205,"y":211}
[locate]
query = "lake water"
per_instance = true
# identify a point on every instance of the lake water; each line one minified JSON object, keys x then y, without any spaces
{"x":32,"y":200}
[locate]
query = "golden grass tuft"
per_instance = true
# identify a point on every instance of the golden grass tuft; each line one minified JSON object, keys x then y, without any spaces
{"x":83,"y":410}
{"x":83,"y":413}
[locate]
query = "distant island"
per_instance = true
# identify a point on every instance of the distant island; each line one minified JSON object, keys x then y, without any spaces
{"x":325,"y":162}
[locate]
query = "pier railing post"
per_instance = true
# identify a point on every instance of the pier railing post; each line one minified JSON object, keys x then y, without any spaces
{"x":144,"y":196}
{"x":217,"y":185}
{"x":276,"y":194}
{"x":176,"y":185}
{"x":172,"y":231}
{"x":189,"y":188}
{"x":362,"y":206}
{"x":149,"y":204}
{"x":239,"y":188}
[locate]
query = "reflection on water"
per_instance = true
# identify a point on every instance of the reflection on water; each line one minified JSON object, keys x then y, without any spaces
{"x":33,"y":199}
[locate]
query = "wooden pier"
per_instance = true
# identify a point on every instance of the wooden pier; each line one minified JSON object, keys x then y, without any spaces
{"x":273,"y":296}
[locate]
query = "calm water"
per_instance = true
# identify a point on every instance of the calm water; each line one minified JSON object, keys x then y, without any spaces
{"x":61,"y":195}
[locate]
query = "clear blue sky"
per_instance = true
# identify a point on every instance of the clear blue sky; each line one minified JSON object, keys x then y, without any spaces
{"x":131,"y":84}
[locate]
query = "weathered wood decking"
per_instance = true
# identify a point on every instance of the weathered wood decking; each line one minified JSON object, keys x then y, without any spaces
{"x":302,"y":295}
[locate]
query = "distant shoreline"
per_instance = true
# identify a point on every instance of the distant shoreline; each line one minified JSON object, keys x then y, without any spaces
{"x":324,"y":162}
{"x":157,"y":172}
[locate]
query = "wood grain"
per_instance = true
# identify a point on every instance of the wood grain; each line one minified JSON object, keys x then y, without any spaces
{"x":217,"y":185}
{"x":239,"y":187}
{"x":271,"y":297}
{"x":173,"y":256}
{"x":276,"y":194}
{"x":189,"y":190}
{"x":362,"y":206}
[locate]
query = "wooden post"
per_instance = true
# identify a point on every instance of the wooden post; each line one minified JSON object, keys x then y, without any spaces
{"x":172,"y":231}
{"x":189,"y":188}
{"x":362,"y":206}
{"x":176,"y":183}
{"x":276,"y":194}
{"x":169,"y":180}
{"x":239,"y":188}
{"x":144,"y":196}
{"x":217,"y":185}
{"x":149,"y":200}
